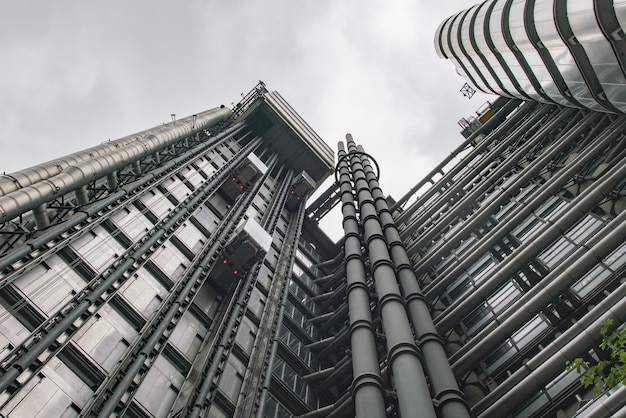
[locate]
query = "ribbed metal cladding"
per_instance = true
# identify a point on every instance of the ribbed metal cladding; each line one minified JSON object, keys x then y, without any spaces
{"x":404,"y":357}
{"x":568,"y":52}
{"x":367,"y":383}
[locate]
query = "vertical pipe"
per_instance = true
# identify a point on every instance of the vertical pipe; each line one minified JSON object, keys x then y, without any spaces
{"x":367,"y":384}
{"x":137,"y":168}
{"x":404,"y":357}
{"x":41,"y":216}
{"x":81,"y":196}
{"x":443,"y":383}
{"x":112,"y":180}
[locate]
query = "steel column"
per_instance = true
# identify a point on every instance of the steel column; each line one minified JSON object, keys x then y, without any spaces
{"x":404,"y":357}
{"x":367,"y":384}
{"x":443,"y":383}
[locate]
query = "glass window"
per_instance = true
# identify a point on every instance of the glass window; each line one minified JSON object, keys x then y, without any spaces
{"x":50,"y":285}
{"x":530,"y":331}
{"x":206,"y":218}
{"x":298,"y":348}
{"x":170,"y":260}
{"x":232,"y":378}
{"x":188,"y":335}
{"x":157,"y":203}
{"x":102,"y":340}
{"x":159,"y":389}
{"x":132,"y":222}
{"x":176,"y":188}
{"x":143,"y":292}
{"x":592,"y":280}
{"x":43,"y":397}
{"x":190,"y":236}
{"x":246,"y":334}
{"x":256,"y":303}
{"x":98,"y":247}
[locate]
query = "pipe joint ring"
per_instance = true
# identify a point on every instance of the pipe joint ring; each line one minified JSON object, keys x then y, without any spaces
{"x":430,"y":337}
{"x":415,"y":296}
{"x":389,"y":298}
{"x":405,"y":347}
{"x":368,"y":217}
{"x":362,"y":323}
{"x":381,"y":262}
{"x":354,"y":256}
{"x":394,"y":242}
{"x":451,"y":395}
{"x":404,"y":266}
{"x":357,"y":285}
{"x":352,"y":234}
{"x":366,"y":379}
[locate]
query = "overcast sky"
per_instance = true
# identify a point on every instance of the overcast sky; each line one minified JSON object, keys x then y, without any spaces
{"x":74,"y":73}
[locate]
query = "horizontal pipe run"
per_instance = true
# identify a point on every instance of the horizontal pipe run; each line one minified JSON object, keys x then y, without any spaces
{"x":508,"y":108}
{"x":478,"y":218}
{"x":613,"y":406}
{"x":493,"y":178}
{"x":92,"y":210}
{"x":30,"y":197}
{"x":456,"y":186}
{"x":320,"y":344}
{"x":31,"y":175}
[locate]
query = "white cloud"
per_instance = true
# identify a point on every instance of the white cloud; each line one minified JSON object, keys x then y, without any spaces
{"x":78,"y":73}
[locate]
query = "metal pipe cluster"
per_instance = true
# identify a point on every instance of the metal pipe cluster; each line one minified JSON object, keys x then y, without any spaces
{"x":30,"y":192}
{"x":395,"y":285}
{"x":367,"y":383}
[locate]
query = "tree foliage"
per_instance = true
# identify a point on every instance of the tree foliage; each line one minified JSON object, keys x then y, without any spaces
{"x":607,"y":372}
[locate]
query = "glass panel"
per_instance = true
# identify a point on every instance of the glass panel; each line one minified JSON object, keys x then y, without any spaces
{"x":158,"y":390}
{"x":132,"y":222}
{"x":98,"y":247}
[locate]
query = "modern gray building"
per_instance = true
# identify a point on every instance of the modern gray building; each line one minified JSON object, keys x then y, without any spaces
{"x":566,"y":52}
{"x":180,"y":272}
